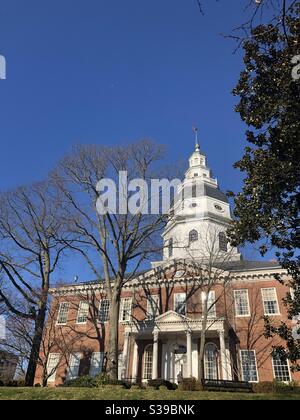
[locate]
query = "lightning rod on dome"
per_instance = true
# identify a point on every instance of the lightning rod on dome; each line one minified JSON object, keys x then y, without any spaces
{"x":197,"y":147}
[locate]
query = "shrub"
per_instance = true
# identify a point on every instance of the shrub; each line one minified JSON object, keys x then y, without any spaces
{"x":190,"y":384}
{"x":103,"y":379}
{"x":1,"y":383}
{"x":16,"y":384}
{"x":81,"y":382}
{"x":275,"y":387}
{"x":156,"y":383}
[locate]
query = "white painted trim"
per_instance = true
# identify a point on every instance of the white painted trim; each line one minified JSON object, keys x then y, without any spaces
{"x":248,"y":302}
{"x":289,"y":368}
{"x":263,"y":302}
{"x":257,"y":372}
{"x":58,"y":314}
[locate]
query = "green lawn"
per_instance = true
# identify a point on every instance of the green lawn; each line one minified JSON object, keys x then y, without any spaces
{"x":123,"y":394}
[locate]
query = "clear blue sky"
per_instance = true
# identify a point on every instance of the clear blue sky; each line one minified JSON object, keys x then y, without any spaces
{"x":107,"y":71}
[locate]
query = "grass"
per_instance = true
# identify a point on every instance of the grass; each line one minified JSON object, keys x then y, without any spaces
{"x":124,"y":394}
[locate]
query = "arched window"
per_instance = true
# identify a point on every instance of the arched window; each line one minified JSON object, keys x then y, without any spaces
{"x":222,"y":242}
{"x":170,"y":247}
{"x":211,"y":361}
{"x":148,"y":362}
{"x":193,"y":236}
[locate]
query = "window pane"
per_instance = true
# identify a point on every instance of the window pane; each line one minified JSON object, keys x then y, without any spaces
{"x":241,"y":302}
{"x":211,"y":303}
{"x":210,"y":362}
{"x":52,"y":366}
{"x":148,"y":360}
{"x":74,"y":363}
{"x":249,"y":367}
{"x":153,"y":306}
{"x":270,"y":301}
{"x":222,"y":242}
{"x":83,"y":313}
{"x":104,"y":310}
{"x":281,"y":369}
{"x":63,"y":313}
{"x":180,"y":303}
{"x":96,"y":364}
{"x":126,"y":308}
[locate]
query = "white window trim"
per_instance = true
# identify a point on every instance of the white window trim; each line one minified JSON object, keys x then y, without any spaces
{"x":78,"y":312}
{"x":104,"y":322}
{"x":241,"y":364}
{"x":174,"y":301}
{"x":153,"y":298}
{"x":289,"y":368}
{"x":76,"y":355}
{"x":212,"y":311}
{"x":121,"y":309}
{"x":248,"y":303}
{"x":263,"y":302}
{"x":58,"y":314}
{"x":101,"y":356}
{"x":53,"y":376}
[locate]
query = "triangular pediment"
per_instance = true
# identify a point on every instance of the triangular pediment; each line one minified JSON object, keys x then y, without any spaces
{"x":171,"y":316}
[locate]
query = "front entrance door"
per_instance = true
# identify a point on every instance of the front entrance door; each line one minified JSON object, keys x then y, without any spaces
{"x":180,"y":363}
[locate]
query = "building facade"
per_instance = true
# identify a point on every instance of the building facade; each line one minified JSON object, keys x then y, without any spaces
{"x":201,"y":292}
{"x":8,"y":366}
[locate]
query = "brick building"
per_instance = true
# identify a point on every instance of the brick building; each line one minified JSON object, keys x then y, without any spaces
{"x":202,"y":286}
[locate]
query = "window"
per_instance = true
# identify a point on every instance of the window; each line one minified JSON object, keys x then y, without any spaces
{"x":126,"y":309}
{"x":241,"y":300}
{"x":223,"y":246}
{"x":148,"y":362}
{"x":270,"y":302}
{"x":153,"y":304}
{"x":96,"y":364}
{"x":170,"y":247}
{"x":73,"y":368}
{"x":104,"y":310}
{"x":193,"y":236}
{"x":194,"y":191}
{"x":249,"y":366}
{"x":52,"y":366}
{"x":63,"y":312}
{"x":211,"y":361}
{"x":211,"y":303}
{"x":83,"y":313}
{"x":180,"y":303}
{"x":281,"y":369}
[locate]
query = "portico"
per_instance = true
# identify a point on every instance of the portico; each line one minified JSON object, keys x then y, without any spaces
{"x":172,"y":348}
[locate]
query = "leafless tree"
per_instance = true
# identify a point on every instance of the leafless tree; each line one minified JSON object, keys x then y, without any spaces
{"x":30,"y":226}
{"x":114,"y":246}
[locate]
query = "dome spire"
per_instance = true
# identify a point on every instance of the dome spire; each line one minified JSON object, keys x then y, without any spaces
{"x":197,"y":147}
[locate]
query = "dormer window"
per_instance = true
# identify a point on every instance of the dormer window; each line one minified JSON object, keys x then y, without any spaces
{"x":196,"y":174}
{"x":193,"y":236}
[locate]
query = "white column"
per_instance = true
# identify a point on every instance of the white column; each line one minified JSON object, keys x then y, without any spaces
{"x":155,"y":356}
{"x":189,"y":353}
{"x":125,"y":355}
{"x":223,"y":354}
{"x":135,"y":362}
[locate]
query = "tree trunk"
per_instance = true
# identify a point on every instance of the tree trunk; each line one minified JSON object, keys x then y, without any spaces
{"x":36,"y":344}
{"x":202,"y":347}
{"x":113,"y":349}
